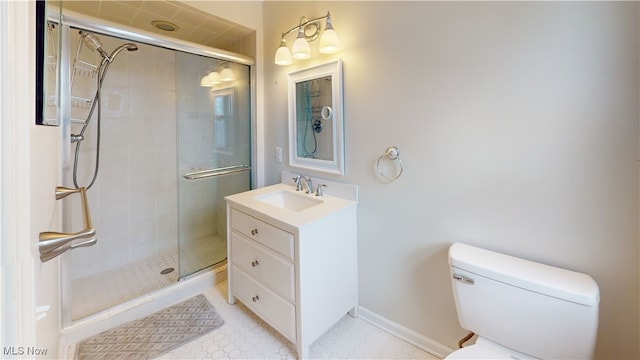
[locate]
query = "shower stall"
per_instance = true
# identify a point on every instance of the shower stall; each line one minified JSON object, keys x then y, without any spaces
{"x":158,"y":147}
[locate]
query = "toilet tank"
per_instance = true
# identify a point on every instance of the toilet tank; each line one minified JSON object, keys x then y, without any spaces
{"x":539,"y":310}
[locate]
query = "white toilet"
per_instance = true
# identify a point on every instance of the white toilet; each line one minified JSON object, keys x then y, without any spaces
{"x":521,"y":309}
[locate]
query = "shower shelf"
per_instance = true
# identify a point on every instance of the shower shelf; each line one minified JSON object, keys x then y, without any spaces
{"x":52,"y":63}
{"x":76,"y":102}
{"x":85,"y":69}
{"x":80,"y":103}
{"x":78,"y":121}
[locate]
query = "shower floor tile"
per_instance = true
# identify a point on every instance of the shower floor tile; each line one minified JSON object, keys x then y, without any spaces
{"x":104,"y":290}
{"x":245,"y":336}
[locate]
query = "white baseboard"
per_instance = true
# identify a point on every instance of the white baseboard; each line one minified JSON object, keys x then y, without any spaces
{"x":401,"y":332}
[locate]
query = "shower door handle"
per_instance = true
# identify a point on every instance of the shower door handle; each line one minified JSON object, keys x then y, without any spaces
{"x":53,"y":244}
{"x":201,"y":174}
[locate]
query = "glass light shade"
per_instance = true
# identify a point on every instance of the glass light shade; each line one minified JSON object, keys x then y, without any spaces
{"x":204,"y":81}
{"x":329,"y":42}
{"x":213,"y":78}
{"x":283,"y":56}
{"x":227,"y":75}
{"x":301,"y":49}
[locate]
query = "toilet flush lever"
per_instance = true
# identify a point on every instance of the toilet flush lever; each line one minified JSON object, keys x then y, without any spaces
{"x":464,"y":279}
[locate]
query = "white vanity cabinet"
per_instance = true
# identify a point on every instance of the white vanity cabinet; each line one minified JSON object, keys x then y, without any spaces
{"x":296,"y":270}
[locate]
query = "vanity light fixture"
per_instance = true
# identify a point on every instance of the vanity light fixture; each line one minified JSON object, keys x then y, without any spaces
{"x":214,"y":77}
{"x":227,"y":74}
{"x":211,"y":79}
{"x":308,"y":31}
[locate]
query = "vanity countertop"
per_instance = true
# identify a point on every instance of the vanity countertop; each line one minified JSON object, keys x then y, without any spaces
{"x":253,"y":202}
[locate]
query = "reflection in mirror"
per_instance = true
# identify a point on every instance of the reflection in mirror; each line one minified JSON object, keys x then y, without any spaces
{"x":314,"y":132}
{"x":315,"y":118}
{"x":223,"y":118}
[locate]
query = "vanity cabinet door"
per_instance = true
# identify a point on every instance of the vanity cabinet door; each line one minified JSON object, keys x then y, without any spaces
{"x":268,"y":235}
{"x":265,"y":266}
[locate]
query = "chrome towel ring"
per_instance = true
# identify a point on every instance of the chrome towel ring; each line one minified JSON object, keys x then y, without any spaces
{"x":391,"y":153}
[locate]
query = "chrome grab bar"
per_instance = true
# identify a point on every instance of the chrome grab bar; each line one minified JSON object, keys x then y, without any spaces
{"x":52,"y":243}
{"x":215,"y":172}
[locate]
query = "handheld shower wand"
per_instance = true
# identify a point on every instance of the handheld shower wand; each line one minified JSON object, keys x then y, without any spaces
{"x":93,"y":43}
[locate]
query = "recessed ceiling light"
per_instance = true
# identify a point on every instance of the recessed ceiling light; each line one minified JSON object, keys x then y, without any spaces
{"x":164,"y":25}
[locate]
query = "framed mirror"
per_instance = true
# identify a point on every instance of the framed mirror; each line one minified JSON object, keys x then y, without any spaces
{"x":316,"y":138}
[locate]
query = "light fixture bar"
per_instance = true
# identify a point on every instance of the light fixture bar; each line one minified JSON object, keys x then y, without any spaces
{"x":304,"y":24}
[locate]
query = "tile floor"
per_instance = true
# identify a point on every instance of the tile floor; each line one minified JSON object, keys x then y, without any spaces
{"x":245,"y":336}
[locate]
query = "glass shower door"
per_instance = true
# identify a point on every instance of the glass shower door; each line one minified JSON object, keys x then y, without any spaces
{"x":213,"y":153}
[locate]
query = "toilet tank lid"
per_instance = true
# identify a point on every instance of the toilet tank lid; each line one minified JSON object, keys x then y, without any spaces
{"x":545,"y":279}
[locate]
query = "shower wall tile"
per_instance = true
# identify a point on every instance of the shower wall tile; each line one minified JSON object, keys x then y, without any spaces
{"x":118,"y":73}
{"x":167,"y":230}
{"x":141,"y":71}
{"x":115,"y":102}
{"x":113,"y":196}
{"x":165,"y":70}
{"x":83,"y":260}
{"x":166,"y":206}
{"x":143,"y":210}
{"x":116,"y":138}
{"x":143,"y":240}
{"x":114,"y":242}
{"x":134,"y":201}
{"x":143,"y":102}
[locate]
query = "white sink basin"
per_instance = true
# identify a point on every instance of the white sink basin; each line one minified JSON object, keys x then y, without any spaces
{"x":289,"y":200}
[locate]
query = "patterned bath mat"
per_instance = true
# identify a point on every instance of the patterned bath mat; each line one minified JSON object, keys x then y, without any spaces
{"x":155,"y":334}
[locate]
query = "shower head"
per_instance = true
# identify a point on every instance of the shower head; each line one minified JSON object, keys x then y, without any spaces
{"x":127,"y":46}
{"x":92,"y":42}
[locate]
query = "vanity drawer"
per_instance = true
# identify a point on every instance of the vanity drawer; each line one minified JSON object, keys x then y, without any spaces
{"x":270,"y":236}
{"x":263,"y":265}
{"x":275,"y":310}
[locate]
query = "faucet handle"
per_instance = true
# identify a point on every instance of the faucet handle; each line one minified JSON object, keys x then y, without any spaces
{"x":298,"y":181}
{"x":319,"y":189}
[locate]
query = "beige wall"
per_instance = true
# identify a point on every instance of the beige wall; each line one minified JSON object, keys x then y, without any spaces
{"x":518,"y":127}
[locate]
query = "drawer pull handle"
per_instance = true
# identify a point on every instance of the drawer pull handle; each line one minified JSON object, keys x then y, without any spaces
{"x":254,"y":232}
{"x":255,"y":263}
{"x":255,"y":298}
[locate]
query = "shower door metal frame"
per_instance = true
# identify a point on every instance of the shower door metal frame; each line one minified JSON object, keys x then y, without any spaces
{"x":69,"y":19}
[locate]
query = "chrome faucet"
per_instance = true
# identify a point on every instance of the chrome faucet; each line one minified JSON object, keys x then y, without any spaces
{"x":298,"y":181}
{"x":307,"y":181}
